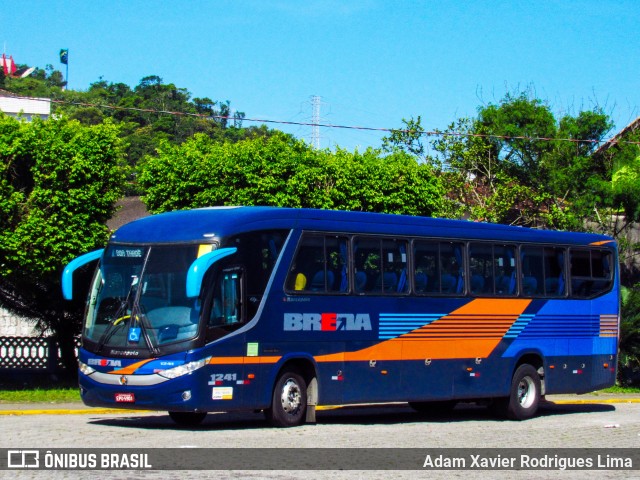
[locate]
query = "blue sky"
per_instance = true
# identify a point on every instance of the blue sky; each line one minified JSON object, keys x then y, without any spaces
{"x":373,"y":62}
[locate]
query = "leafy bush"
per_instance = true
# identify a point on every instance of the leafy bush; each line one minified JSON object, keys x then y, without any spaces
{"x":629,"y":360}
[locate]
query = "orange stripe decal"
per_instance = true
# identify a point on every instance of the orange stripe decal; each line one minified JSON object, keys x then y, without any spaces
{"x":472,"y":331}
{"x":131,"y":368}
{"x":243,"y":360}
{"x":603,"y":242}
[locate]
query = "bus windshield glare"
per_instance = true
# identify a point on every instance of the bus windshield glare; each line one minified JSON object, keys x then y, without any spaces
{"x":139,"y":300}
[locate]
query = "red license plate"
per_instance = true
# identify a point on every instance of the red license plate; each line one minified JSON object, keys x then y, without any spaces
{"x":125,"y":398}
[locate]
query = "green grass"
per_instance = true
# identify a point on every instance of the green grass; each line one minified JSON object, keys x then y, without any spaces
{"x":40,"y":395}
{"x":617,"y":389}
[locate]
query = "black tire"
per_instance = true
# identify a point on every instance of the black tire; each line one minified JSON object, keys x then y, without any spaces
{"x":524,"y":397}
{"x":188,"y":419}
{"x":436,"y":408}
{"x":289,"y":401}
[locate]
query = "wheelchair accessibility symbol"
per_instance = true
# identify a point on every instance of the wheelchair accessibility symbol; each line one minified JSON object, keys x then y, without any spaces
{"x":134,"y":335}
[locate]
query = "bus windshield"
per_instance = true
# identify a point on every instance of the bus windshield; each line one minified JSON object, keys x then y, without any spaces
{"x":138,"y":298}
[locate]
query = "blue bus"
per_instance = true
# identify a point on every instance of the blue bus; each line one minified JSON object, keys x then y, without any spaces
{"x":281,"y":310}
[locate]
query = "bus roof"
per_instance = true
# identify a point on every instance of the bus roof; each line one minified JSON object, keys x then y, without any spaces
{"x":204,"y":224}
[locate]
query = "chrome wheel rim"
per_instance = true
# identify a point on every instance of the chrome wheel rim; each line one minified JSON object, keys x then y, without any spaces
{"x":526,"y":392}
{"x":291,"y":397}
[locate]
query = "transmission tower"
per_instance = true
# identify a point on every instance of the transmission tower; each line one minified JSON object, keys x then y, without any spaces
{"x":315,"y":120}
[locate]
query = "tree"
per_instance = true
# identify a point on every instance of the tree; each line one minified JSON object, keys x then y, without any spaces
{"x":509,"y":126}
{"x":408,"y":139}
{"x":149,"y":113}
{"x":41,"y":83}
{"x":59,"y":184}
{"x":282,"y":171}
{"x":630,"y":336}
{"x":505,"y":165}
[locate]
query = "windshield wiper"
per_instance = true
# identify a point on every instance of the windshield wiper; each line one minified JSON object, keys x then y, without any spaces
{"x":110,"y":331}
{"x":120,"y":316}
{"x":141,"y":319}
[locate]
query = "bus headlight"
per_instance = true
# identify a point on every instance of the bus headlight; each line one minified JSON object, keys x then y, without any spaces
{"x":85,"y":369}
{"x":185,"y":369}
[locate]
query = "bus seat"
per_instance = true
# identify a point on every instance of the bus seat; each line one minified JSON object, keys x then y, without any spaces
{"x":421,"y":282}
{"x":448,"y":283}
{"x":551,"y":285}
{"x":300,"y":282}
{"x":318,"y":281}
{"x":477,"y":283}
{"x":529,"y":285}
{"x":152,"y":302}
{"x":502,"y":284}
{"x":361,"y":281}
{"x":388,"y":280}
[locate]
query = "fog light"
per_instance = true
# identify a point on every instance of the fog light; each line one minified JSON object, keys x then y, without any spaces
{"x":186,"y":395}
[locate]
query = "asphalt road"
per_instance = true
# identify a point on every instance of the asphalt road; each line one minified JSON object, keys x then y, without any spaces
{"x":571,"y":422}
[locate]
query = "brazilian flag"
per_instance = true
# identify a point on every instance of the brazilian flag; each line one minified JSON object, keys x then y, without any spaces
{"x":64,"y":56}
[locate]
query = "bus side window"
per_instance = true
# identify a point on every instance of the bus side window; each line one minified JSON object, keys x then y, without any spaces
{"x":580,"y":261}
{"x":504,"y":267}
{"x":336,"y":264}
{"x":393,"y":278}
{"x":380,"y":265}
{"x":554,"y":274}
{"x":258,"y":252}
{"x":481,"y":268}
{"x":590,"y":272}
{"x":308,"y":261}
{"x":532,"y":271}
{"x":320,"y":265}
{"x":367,"y":265}
{"x":451,"y":268}
{"x":438,"y":268}
{"x":493,"y":269}
{"x":227,"y":300}
{"x":543,"y":269}
{"x":426,"y":274}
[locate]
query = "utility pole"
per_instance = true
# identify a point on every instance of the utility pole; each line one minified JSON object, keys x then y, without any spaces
{"x":315,"y":120}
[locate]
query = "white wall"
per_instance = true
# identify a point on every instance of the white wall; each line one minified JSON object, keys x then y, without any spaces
{"x":29,"y":107}
{"x":14,"y":326}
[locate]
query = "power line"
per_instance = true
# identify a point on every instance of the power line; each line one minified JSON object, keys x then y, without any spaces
{"x":435,"y":133}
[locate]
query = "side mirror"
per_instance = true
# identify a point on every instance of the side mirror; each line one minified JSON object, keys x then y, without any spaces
{"x":67,"y":274}
{"x":199,"y":268}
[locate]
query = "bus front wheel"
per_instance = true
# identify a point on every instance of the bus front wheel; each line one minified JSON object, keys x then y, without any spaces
{"x":289,"y":401}
{"x":524,"y":397}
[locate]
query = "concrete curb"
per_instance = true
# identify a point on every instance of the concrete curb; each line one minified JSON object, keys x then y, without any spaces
{"x":66,"y":411}
{"x":80,"y":409}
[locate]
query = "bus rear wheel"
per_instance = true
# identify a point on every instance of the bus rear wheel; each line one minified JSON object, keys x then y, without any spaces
{"x":289,"y":401}
{"x":188,"y":419}
{"x":524,"y":397}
